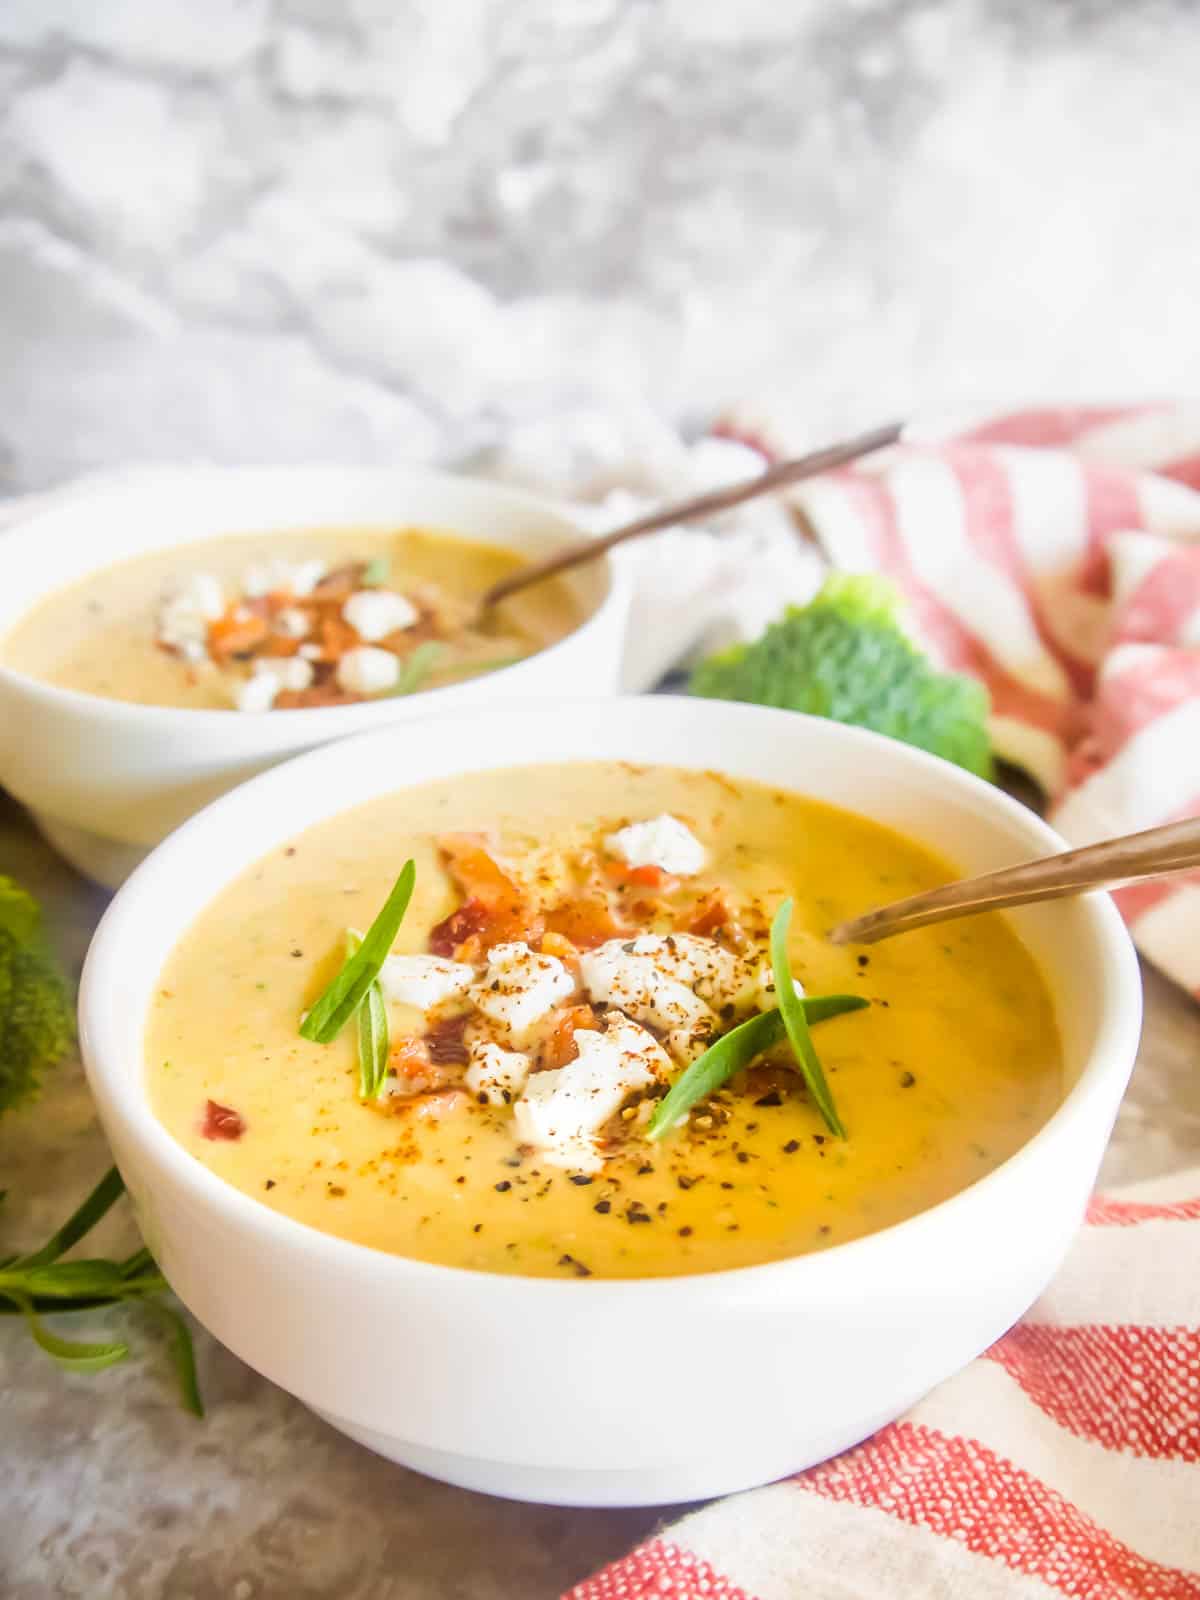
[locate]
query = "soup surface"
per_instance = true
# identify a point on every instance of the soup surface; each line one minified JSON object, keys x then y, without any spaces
{"x":950,"y":1068}
{"x":279,"y":621}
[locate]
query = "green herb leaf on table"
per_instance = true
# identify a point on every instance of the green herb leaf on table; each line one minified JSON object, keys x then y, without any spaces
{"x":796,"y":1023}
{"x":74,"y":1354}
{"x":735,"y":1050}
{"x":101,"y":1200}
{"x":39,"y":1284}
{"x":183,"y":1355}
{"x":348,"y":990}
{"x":846,"y":656}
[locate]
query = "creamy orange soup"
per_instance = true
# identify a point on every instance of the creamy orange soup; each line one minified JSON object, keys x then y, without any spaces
{"x":533,"y":888}
{"x":289,"y":620}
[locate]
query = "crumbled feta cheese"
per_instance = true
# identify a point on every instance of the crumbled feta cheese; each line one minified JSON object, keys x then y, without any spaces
{"x":520,"y":987}
{"x":374,"y":613}
{"x":267,"y":678}
{"x":280,"y":576}
{"x":310,"y":652}
{"x":289,"y":672}
{"x":256,"y":693}
{"x":637,"y":1045}
{"x":561,"y":1111}
{"x":663,"y":842}
{"x":639,"y":986}
{"x":495,"y":1073}
{"x":186,"y":611}
{"x":424,"y":981}
{"x":293,"y":622}
{"x":715,"y":973}
{"x":368,"y":670}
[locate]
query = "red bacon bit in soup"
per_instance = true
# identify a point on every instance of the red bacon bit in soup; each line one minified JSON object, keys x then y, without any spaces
{"x":468,"y":922}
{"x":221,"y":1122}
{"x":444,"y":1040}
{"x":497,"y":910}
{"x":644,"y":877}
{"x":560,"y":1046}
{"x":587,"y":921}
{"x":431,"y":1103}
{"x":714,"y":917}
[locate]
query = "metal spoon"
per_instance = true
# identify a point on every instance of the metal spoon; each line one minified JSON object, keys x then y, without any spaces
{"x":1153,"y":854}
{"x":703,"y":505}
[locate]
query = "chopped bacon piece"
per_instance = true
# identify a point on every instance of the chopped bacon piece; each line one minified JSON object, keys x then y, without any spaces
{"x":652,"y":877}
{"x":429,"y":1103}
{"x":335,"y":637}
{"x":587,"y":921}
{"x":713,"y":916}
{"x":341,"y":583}
{"x":497,"y":909}
{"x":444,"y":1041}
{"x":560,"y":1046}
{"x":645,"y":877}
{"x":279,"y":644}
{"x":412,"y":1068}
{"x":557,"y":944}
{"x":231,"y":636}
{"x":221,"y":1122}
{"x":459,"y":928}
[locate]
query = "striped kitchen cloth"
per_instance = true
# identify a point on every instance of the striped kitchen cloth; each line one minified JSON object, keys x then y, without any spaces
{"x":1055,"y":554}
{"x":1064,"y":1462}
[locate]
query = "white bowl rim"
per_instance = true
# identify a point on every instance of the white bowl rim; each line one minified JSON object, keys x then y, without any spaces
{"x":1117,"y":1035}
{"x":365,"y":714}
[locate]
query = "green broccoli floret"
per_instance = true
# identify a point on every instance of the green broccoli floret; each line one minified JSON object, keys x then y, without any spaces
{"x":36,"y":1024}
{"x":845,"y":656}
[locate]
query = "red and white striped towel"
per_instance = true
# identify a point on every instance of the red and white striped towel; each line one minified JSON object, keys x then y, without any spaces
{"x":1064,"y":1462}
{"x":1056,"y":555}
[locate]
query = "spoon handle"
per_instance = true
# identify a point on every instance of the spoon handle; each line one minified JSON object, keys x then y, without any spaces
{"x":1153,"y":854}
{"x":703,"y":505}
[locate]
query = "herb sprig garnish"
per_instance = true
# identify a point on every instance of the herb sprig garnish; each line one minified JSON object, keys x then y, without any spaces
{"x":735,"y":1050}
{"x":373,"y":1034}
{"x":346,"y":993}
{"x":375,"y":573}
{"x":39,"y":1284}
{"x":794,"y":1020}
{"x":414,"y":669}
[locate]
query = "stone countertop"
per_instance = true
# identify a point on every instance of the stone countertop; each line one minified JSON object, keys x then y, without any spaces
{"x":112,"y":1492}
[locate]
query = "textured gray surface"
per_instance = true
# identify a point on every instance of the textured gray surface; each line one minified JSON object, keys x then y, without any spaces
{"x":366,"y":230}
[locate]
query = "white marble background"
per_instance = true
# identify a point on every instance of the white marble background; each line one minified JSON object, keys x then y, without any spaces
{"x":382,"y":229}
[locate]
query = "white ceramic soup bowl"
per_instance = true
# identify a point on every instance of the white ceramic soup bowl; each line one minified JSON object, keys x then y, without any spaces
{"x":601,"y":1392}
{"x":105,"y":781}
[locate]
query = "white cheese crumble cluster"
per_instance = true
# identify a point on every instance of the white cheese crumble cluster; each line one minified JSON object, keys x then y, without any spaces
{"x":663,"y":842}
{"x":682,"y":986}
{"x":189,"y":607}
